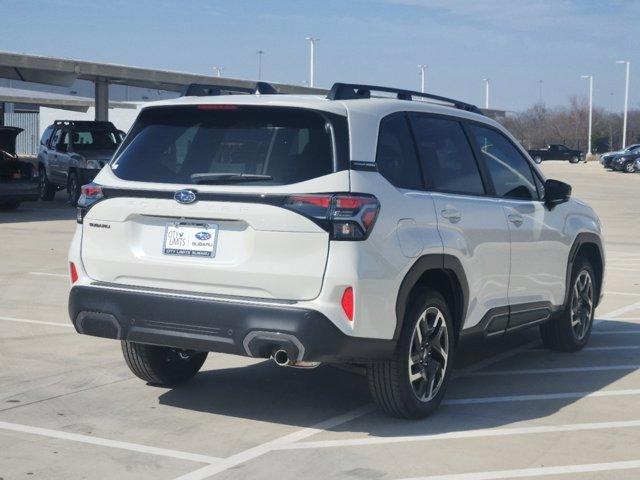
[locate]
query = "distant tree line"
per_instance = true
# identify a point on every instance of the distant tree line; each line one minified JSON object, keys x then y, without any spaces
{"x":540,"y":125}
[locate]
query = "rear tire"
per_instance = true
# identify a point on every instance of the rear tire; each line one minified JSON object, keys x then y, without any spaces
{"x":538,"y":160}
{"x":162,"y":366}
{"x":413,"y":382}
{"x":47,"y":189}
{"x":570,"y":331}
{"x":574,"y":159}
{"x":73,"y":189}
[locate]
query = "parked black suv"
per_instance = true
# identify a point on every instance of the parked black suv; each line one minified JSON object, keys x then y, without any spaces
{"x":71,"y":154}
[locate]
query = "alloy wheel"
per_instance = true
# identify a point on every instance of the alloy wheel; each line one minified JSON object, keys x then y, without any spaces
{"x":428,"y":356}
{"x":582,"y":305}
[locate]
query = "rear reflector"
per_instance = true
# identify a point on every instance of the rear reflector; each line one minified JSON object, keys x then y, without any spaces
{"x":347,"y":302}
{"x":73,"y":272}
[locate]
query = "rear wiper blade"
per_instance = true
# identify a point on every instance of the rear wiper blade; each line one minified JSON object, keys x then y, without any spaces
{"x":228,"y":177}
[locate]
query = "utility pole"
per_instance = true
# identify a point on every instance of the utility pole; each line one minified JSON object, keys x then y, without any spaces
{"x":312,"y":58}
{"x":626,"y":103}
{"x":423,"y":83}
{"x":486,"y":92}
{"x":218,"y":71}
{"x":260,"y":54}
{"x":590,"y":77}
{"x":540,"y":94}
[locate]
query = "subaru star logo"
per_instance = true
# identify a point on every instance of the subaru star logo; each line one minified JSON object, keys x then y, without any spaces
{"x":203,"y":235}
{"x":185,"y":196}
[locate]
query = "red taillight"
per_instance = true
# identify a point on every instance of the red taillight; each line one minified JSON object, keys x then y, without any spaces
{"x":217,"y":106}
{"x":91,"y":190}
{"x":344,"y":216}
{"x":89,"y":194}
{"x":73,"y":272}
{"x":347,"y":302}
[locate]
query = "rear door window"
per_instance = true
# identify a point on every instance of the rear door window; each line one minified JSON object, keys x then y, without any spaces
{"x":396,"y":155}
{"x":446,"y":156}
{"x":231,"y":144}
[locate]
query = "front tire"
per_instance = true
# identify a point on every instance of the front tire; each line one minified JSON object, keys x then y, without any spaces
{"x":538,"y":160}
{"x":570,"y":331}
{"x":629,"y":167}
{"x":574,"y":159}
{"x":413,"y":382}
{"x":162,"y":366}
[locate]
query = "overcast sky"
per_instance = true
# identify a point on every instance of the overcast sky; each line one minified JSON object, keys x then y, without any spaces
{"x":515,"y":43}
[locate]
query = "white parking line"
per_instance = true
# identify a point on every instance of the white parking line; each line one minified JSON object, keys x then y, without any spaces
{"x":597,"y":349}
{"x":47,"y":274}
{"x":622,"y":293}
{"x":37,"y":322}
{"x":104,"y":442}
{"x":616,"y":332}
{"x":477,"y":433}
{"x":537,"y":397}
{"x":623,"y":310}
{"x":536,"y":371}
{"x":535,"y":472}
{"x":265,"y":448}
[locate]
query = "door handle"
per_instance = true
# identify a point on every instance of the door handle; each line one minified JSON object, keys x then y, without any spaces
{"x":516,"y":219}
{"x":452,"y":214}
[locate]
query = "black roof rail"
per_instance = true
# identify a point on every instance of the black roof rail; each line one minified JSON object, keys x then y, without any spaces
{"x":204,"y":90}
{"x":352,"y":91}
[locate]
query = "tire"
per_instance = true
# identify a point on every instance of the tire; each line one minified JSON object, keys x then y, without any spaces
{"x":574,"y":159}
{"x":162,"y":366}
{"x":629,"y":167}
{"x":389,"y":381}
{"x":47,"y":189}
{"x":73,"y":189}
{"x":8,"y":206}
{"x":537,"y":160}
{"x":562,"y":334}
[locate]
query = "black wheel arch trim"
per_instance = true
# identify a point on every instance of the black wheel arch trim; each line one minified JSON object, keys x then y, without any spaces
{"x":445,"y":263}
{"x":585,"y":238}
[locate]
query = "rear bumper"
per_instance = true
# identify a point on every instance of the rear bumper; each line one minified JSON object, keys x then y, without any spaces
{"x":235,"y":327}
{"x":19,"y":191}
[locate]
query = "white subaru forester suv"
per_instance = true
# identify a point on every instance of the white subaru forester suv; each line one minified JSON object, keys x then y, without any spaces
{"x":374,"y":230}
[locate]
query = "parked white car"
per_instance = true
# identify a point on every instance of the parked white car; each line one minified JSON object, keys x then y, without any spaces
{"x":342,"y":229}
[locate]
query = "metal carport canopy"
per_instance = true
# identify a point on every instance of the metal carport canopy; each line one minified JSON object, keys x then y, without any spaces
{"x":63,"y":72}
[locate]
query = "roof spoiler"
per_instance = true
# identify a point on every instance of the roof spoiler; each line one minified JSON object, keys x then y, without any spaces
{"x":204,"y":90}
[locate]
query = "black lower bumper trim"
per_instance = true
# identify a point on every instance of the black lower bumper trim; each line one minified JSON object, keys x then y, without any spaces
{"x":218,"y":326}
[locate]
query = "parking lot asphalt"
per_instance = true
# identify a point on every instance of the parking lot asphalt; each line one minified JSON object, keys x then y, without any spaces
{"x":70,"y":408}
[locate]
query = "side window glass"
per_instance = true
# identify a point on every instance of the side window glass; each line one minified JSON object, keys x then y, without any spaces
{"x":396,"y":156}
{"x":510,"y":172}
{"x":56,"y":139}
{"x":46,"y":135}
{"x":446,"y":156}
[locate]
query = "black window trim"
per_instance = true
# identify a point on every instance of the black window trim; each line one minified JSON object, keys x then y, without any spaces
{"x":484,"y":178}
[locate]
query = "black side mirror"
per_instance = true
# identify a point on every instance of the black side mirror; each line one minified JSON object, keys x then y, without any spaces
{"x":556,"y":192}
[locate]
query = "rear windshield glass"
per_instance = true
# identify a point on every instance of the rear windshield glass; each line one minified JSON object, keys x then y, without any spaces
{"x":95,"y":140}
{"x":215,"y":144}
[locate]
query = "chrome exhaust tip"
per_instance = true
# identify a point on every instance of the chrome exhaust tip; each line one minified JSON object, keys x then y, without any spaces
{"x":281,"y":357}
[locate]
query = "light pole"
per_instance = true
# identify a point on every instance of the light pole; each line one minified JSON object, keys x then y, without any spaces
{"x":312,"y":58}
{"x":626,"y":103}
{"x":218,"y":71}
{"x":423,"y":84}
{"x":590,"y":77}
{"x":260,"y":54}
{"x":486,"y":92}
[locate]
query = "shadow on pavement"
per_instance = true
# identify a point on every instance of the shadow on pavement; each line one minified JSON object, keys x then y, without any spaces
{"x":302,"y":398}
{"x":40,"y":211}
